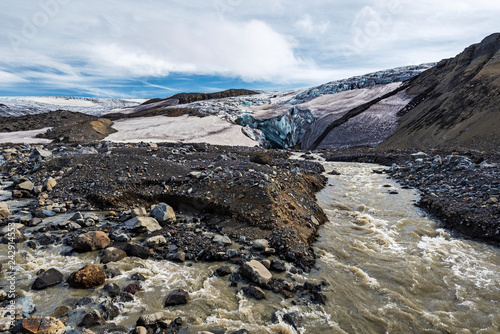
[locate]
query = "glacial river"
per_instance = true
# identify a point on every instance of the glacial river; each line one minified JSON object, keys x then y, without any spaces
{"x":389,"y":270}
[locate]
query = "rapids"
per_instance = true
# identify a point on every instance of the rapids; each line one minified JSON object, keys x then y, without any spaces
{"x":389,"y":269}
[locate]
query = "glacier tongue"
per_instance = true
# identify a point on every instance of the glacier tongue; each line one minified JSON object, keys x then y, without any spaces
{"x":282,"y":131}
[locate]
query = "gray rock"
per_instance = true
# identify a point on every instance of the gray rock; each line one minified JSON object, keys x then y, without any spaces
{"x":254,"y":292}
{"x":143,"y":252}
{"x":143,"y":224}
{"x":156,"y":242}
{"x":87,"y":150}
{"x":112,"y":254}
{"x":177,"y":297}
{"x":419,"y":155}
{"x":73,"y":226}
{"x":47,"y":279}
{"x":150,"y":319}
{"x":138,"y":212}
{"x":222,"y":240}
{"x":112,"y":289}
{"x":163,"y":213}
{"x":260,"y":244}
{"x":77,"y":216}
{"x":92,"y":319}
{"x":256,"y":272}
{"x":40,"y":154}
{"x":120,"y":237}
{"x":16,"y":226}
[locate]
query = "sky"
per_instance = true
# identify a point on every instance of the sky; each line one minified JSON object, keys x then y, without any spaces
{"x":156,"y":48}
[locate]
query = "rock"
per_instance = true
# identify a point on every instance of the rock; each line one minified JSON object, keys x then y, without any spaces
{"x":261,"y":158}
{"x":139,"y":212}
{"x":260,"y":244}
{"x":126,"y":297}
{"x":91,"y":319}
{"x":163,"y":213}
{"x":49,"y":278}
{"x":112,"y":254}
{"x":419,"y":155}
{"x":5,"y":324}
{"x":84,"y":301}
{"x":91,"y":241}
{"x":140,"y":330}
{"x":61,"y":312}
{"x":4,"y":210}
{"x":156,"y":242}
{"x":26,"y":185}
{"x":77,"y":216}
{"x":223,"y":271}
{"x":16,"y":237}
{"x":256,"y":272}
{"x":87,"y":150}
{"x":143,"y":252}
{"x":138,"y":277}
{"x":254,"y":292}
{"x":143,"y":224}
{"x":7,"y":228}
{"x":241,"y":331}
{"x":222,"y":240}
{"x":278,"y":266}
{"x":112,"y":290}
{"x":177,"y":297}
{"x":150,"y":319}
{"x":179,"y":257}
{"x":266,"y":263}
{"x":87,"y":277}
{"x":45,"y":325}
{"x":40,"y":154}
{"x":109,"y":310}
{"x":50,"y":184}
{"x":73,"y":226}
{"x":112,"y":272}
{"x":133,"y":288}
{"x":120,"y":237}
{"x":294,"y":319}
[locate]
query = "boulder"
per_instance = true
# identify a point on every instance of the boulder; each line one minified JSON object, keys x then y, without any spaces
{"x":133,"y":288}
{"x":222,"y":240}
{"x":177,"y":297}
{"x":163,"y":213}
{"x":91,"y":241}
{"x":139,"y":212}
{"x":16,"y":237}
{"x":50,"y":184}
{"x":4,"y":210}
{"x":143,"y":252}
{"x":47,"y":279}
{"x":26,"y":185}
{"x":92,"y":319}
{"x":45,"y":325}
{"x":87,"y":277}
{"x":40,"y":154}
{"x":140,"y":330}
{"x":143,"y":224}
{"x":255,"y":272}
{"x":112,"y":290}
{"x":87,"y":150}
{"x":223,"y":271}
{"x":294,"y":319}
{"x":109,"y":310}
{"x":112,"y":254}
{"x":254,"y":292}
{"x":260,"y":244}
{"x":150,"y":319}
{"x":155,"y":242}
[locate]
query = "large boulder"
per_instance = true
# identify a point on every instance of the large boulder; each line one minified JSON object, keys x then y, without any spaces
{"x":143,"y":224}
{"x":143,"y":252}
{"x":47,"y":279}
{"x":163,"y":213}
{"x":4,"y":210}
{"x":255,"y":272}
{"x":112,"y":254}
{"x":177,"y":297}
{"x":92,"y":319}
{"x":45,"y":325}
{"x":87,"y":277}
{"x":91,"y":241}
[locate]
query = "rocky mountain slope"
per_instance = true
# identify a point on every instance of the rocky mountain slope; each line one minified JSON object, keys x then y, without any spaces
{"x":456,"y":103}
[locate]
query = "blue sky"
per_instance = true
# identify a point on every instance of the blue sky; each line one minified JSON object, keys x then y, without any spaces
{"x":156,"y":48}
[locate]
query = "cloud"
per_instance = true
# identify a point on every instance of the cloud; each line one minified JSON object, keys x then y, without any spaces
{"x":96,"y":47}
{"x":306,"y":23}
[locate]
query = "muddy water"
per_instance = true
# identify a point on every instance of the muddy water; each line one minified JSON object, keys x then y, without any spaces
{"x":389,"y":269}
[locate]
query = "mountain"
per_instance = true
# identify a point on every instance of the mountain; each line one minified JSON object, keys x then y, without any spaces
{"x":456,"y":103}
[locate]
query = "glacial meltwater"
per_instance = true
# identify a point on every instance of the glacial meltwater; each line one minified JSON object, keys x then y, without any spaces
{"x":389,"y":269}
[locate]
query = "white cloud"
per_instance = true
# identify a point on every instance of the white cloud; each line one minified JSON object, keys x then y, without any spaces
{"x":85,"y":45}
